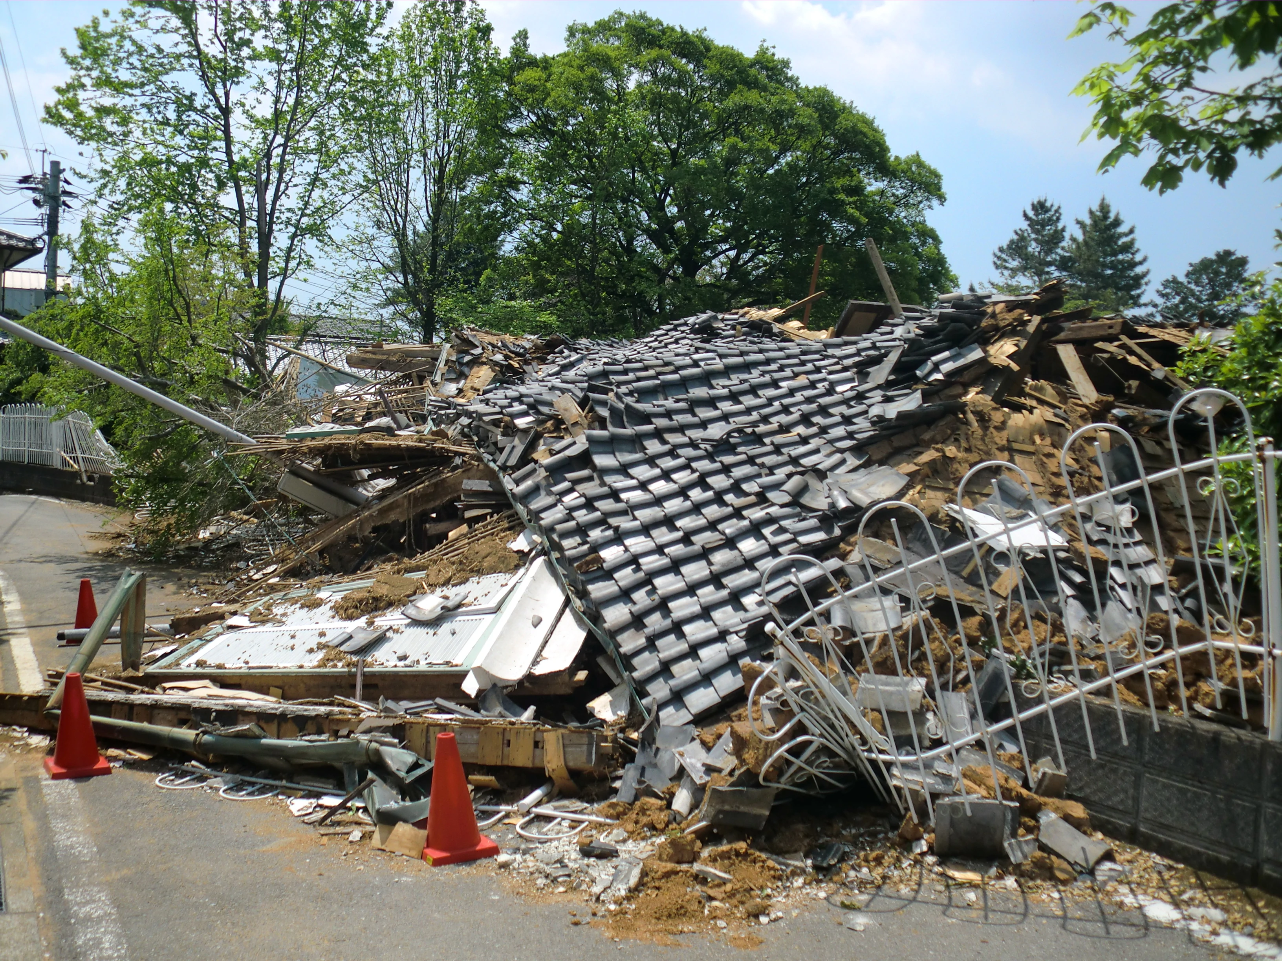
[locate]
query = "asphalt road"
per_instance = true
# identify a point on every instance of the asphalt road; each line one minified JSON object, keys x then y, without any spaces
{"x":115,"y":868}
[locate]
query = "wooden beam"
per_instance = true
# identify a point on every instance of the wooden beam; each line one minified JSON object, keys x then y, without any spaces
{"x":1160,"y":372}
{"x":1077,"y":373}
{"x":814,"y":282}
{"x":893,"y":298}
{"x":1088,"y":330}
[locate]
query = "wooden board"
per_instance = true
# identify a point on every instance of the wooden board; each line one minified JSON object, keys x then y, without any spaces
{"x":1089,"y":330}
{"x":1077,"y":373}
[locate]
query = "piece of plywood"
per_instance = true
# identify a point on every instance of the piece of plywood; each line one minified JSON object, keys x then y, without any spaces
{"x":518,"y":747}
{"x":1077,"y":373}
{"x":554,"y":763}
{"x":489,"y":745}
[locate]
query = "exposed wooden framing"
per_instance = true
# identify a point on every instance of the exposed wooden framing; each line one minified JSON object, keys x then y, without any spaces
{"x":1160,"y":372}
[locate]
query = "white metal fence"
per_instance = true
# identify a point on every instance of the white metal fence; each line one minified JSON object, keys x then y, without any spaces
{"x":939,"y":646}
{"x":32,"y":434}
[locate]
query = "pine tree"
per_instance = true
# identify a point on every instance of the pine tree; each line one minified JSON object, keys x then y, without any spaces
{"x":1103,"y":262}
{"x":1207,"y":284}
{"x":1032,"y":256}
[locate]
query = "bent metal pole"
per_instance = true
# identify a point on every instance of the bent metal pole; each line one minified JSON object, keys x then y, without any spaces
{"x":171,"y":405}
{"x":120,"y":380}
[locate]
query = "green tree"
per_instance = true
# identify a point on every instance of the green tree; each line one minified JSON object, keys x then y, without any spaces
{"x":1168,"y":96}
{"x":1035,"y":252}
{"x":166,"y":313}
{"x":1214,"y":290}
{"x":427,"y":117}
{"x":228,"y":114}
{"x":1103,"y":262}
{"x":662,"y":173}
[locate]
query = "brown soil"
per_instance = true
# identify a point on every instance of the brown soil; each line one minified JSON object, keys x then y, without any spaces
{"x":647,"y":816}
{"x":310,"y":603}
{"x":388,"y":590}
{"x":667,"y":904}
{"x":333,"y":657}
{"x":752,"y":871}
{"x":489,"y":556}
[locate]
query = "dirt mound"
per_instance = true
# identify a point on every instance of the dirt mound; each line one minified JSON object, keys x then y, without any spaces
{"x":751,"y":870}
{"x":667,"y":904}
{"x":388,"y":590}
{"x":488,"y":556}
{"x":648,"y":815}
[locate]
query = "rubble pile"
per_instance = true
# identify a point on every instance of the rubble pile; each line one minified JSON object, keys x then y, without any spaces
{"x":658,"y":588}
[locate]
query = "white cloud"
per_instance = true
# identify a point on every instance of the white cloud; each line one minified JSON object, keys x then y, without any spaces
{"x":913,"y":64}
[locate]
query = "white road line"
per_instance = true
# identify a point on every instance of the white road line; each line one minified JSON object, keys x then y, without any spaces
{"x":94,"y":922}
{"x":24,"y":655}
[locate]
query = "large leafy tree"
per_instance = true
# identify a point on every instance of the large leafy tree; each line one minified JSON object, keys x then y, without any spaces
{"x":1174,"y":95}
{"x":663,"y":173}
{"x":1214,"y":290}
{"x":426,"y":120}
{"x":227,"y":114}
{"x":167,"y":312}
{"x":1035,"y":252}
{"x":1103,"y":262}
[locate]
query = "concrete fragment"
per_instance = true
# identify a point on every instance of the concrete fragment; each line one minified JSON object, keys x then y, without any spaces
{"x":1059,"y":837}
{"x":1020,"y":850}
{"x":744,"y":807}
{"x":712,"y":874}
{"x":976,"y":827}
{"x":1048,"y":779}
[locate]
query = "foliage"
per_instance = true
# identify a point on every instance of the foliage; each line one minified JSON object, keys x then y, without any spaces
{"x":661,"y":173}
{"x":1252,"y":367}
{"x":1214,"y":290}
{"x":167,"y":316}
{"x":1252,"y":371}
{"x":426,"y":120}
{"x":228,"y":115}
{"x":1035,"y":253}
{"x":1164,"y":97}
{"x":1102,"y":260}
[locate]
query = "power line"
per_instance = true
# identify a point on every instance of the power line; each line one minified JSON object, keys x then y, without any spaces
{"x":35,"y":111}
{"x":13,"y":99}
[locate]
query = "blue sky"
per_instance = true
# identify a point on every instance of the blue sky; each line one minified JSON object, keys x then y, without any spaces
{"x":980,"y":89}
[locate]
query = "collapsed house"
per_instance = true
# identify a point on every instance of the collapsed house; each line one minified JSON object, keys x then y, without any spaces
{"x":754,"y":558}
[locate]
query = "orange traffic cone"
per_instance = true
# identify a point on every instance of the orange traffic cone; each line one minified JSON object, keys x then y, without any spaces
{"x":452,"y":834}
{"x":76,"y":753}
{"x":86,"y":609}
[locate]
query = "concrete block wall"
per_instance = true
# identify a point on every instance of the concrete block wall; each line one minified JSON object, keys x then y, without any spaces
{"x":38,"y":479}
{"x":1198,"y":792}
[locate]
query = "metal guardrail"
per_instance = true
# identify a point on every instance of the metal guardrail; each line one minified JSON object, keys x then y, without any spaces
{"x":886,"y":677}
{"x":33,"y":434}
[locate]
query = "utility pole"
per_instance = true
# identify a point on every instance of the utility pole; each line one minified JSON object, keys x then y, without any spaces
{"x":48,"y":194}
{"x":53,"y":205}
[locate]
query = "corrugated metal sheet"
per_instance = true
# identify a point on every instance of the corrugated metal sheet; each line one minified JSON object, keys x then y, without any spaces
{"x":515,"y":613}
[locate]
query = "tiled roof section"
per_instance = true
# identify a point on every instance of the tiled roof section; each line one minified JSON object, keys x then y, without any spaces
{"x":723,"y":448}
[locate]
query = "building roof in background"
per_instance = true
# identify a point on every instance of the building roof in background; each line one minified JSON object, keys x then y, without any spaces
{"x":30,"y":280}
{"x":14,"y":249}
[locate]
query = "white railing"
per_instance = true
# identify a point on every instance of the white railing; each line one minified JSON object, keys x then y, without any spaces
{"x":32,"y":434}
{"x":1138,"y":591}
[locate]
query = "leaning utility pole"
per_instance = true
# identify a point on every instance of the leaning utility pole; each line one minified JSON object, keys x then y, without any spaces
{"x":53,"y":204}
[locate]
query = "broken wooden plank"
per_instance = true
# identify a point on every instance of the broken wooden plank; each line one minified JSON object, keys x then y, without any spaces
{"x":1077,"y":373}
{"x":1089,"y":330}
{"x":1160,"y":372}
{"x":882,"y":275}
{"x":571,"y":414}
